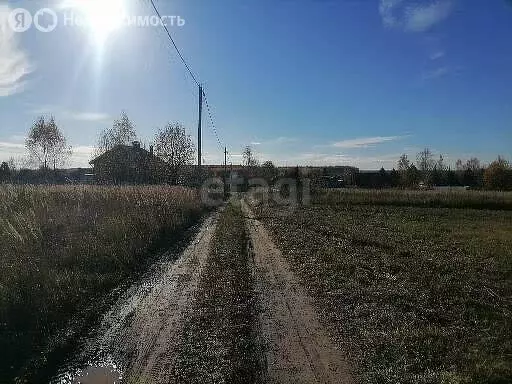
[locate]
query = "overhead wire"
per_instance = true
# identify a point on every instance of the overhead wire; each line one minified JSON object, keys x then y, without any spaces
{"x":187,"y":66}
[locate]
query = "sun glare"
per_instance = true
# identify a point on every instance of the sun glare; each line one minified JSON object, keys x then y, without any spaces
{"x":102,"y":17}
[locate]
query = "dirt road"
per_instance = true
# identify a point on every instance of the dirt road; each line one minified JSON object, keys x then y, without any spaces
{"x":140,"y":334}
{"x":154,"y":332}
{"x":297,"y":347}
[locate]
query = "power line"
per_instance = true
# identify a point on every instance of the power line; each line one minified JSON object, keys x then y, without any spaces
{"x":173,"y":43}
{"x":210,"y":115}
{"x":193,"y":89}
{"x":211,"y":119}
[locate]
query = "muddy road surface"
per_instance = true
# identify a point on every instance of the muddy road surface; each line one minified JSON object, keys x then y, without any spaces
{"x":138,"y":335}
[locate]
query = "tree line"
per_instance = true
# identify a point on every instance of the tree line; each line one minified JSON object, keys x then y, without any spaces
{"x":47,"y":147}
{"x":431,"y":171}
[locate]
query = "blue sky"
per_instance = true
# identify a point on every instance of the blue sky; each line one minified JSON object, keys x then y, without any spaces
{"x":347,"y":82}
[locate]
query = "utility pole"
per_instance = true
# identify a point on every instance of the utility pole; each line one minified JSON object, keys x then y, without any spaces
{"x":225,"y":161}
{"x":199,"y":126}
{"x":225,"y":171}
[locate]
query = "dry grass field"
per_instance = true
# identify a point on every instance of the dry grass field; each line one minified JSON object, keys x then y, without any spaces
{"x":63,"y":248}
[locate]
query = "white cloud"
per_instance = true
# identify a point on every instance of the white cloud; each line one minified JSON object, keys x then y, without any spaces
{"x":80,"y":157}
{"x":8,"y":150}
{"x":414,"y":17}
{"x":420,"y":18}
{"x":14,"y":64}
{"x":365,"y":142}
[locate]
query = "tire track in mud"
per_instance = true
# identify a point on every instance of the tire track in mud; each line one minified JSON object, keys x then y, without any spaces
{"x":140,"y":334}
{"x":297,"y":347}
{"x":153,"y":336}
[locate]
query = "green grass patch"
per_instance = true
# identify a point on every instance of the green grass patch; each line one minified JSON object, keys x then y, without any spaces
{"x":429,"y":198}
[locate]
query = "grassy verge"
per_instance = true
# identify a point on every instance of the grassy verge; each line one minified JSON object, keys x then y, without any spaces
{"x":418,"y":295}
{"x":64,"y":248}
{"x":434,"y":198}
{"x":219,"y":343}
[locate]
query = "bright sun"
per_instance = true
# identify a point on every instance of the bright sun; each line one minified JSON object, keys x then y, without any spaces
{"x":102,"y":17}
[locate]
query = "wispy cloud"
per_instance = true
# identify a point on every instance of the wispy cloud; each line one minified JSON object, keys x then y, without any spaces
{"x":414,"y":17}
{"x":80,"y":157}
{"x":66,"y":114}
{"x":14,"y":63}
{"x":437,"y":55}
{"x":365,"y":142}
{"x":17,"y":139}
{"x":387,"y":9}
{"x":11,"y":146}
{"x":276,"y":141}
{"x":8,"y":150}
{"x":88,"y":116}
{"x":436,"y":73}
{"x":419,"y":18}
{"x":387,"y":161}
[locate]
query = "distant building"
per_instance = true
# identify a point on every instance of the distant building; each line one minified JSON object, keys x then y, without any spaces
{"x":126,"y":164}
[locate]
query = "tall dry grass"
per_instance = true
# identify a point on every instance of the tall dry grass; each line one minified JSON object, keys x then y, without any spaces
{"x":62,"y":247}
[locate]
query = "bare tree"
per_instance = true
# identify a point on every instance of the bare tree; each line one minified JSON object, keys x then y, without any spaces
{"x":122,"y":132}
{"x":249,"y":158}
{"x":46,"y":144}
{"x":425,"y":160}
{"x":403,"y":163}
{"x":175,"y":147}
{"x":440,"y":165}
{"x":472,"y":164}
{"x":13,"y":164}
